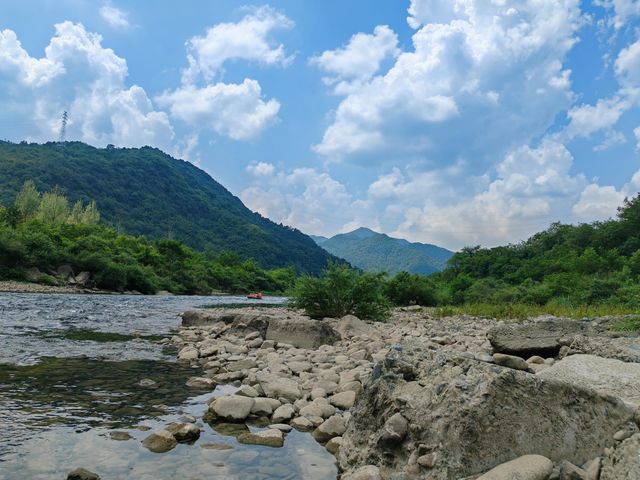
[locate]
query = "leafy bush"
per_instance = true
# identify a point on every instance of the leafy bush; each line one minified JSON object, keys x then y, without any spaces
{"x":342,"y":291}
{"x":411,"y":289}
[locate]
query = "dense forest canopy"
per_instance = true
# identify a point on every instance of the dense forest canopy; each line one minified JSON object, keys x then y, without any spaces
{"x":143,"y":191}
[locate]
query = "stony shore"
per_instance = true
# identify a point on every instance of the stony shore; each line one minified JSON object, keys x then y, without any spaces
{"x":11,"y":286}
{"x":422,"y":397}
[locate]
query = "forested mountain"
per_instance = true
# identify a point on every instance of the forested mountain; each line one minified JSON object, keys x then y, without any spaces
{"x":372,"y":251}
{"x":143,"y":191}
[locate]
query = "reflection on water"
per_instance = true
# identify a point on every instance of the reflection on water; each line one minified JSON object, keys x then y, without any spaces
{"x":78,"y":367}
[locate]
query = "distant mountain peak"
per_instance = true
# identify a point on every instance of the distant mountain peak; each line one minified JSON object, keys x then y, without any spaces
{"x":362,"y":232}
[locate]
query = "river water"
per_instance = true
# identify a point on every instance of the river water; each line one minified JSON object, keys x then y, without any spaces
{"x":71,"y":368}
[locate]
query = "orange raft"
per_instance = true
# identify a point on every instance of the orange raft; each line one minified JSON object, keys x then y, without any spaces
{"x":255,"y":296}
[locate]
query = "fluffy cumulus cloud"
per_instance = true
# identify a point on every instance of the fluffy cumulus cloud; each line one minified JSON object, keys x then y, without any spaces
{"x":79,"y":75}
{"x":348,"y":67}
{"x":623,"y":10}
{"x":307,"y":198}
{"x":601,"y":202}
{"x":249,"y":39}
{"x":475,"y":66}
{"x":115,"y":17}
{"x":236,"y":110}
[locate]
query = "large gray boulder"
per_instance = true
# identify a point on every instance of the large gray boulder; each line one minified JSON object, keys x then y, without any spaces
{"x":473,"y":416}
{"x":301,"y":332}
{"x":232,"y":408}
{"x":606,"y":375}
{"x":238,"y":321}
{"x":275,"y":386}
{"x":536,"y":338}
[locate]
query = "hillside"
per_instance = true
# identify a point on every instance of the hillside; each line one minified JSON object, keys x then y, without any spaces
{"x":144,"y":191}
{"x":374,"y":251}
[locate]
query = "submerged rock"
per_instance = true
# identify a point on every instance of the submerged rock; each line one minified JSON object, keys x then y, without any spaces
{"x":269,"y":438}
{"x":160,"y":441}
{"x":82,"y":474}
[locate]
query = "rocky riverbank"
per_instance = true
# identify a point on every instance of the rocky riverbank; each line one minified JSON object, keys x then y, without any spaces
{"x":12,"y":286}
{"x":419,"y":397}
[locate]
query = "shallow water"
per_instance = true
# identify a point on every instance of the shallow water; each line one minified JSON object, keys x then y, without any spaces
{"x":70,"y":372}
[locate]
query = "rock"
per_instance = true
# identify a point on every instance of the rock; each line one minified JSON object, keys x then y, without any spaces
{"x":65,"y":272}
{"x":569,"y":471}
{"x":609,"y":376}
{"x":527,"y":467}
{"x":120,"y":436}
{"x":536,"y":359}
{"x":187,"y":433}
{"x":592,"y":469}
{"x":269,"y":438}
{"x":247,"y":391}
{"x":277,"y":387}
{"x":343,"y":400}
{"x":201,"y":382}
{"x":394,"y":431}
{"x":82,"y":474}
{"x":623,"y":463}
{"x":232,"y":408}
{"x":368,"y":472}
{"x":510,"y":361}
{"x":160,"y":441}
{"x":318,"y":393}
{"x":283,"y":414}
{"x":623,"y":434}
{"x":146,"y":382}
{"x":188,"y":353}
{"x":333,"y":445}
{"x":537,"y":338}
{"x":301,"y":333}
{"x":283,"y":427}
{"x":351,"y":326}
{"x":216,"y":446}
{"x":244,"y":364}
{"x":301,"y":423}
{"x":83,"y":278}
{"x":428,"y":460}
{"x":332,"y":427}
{"x":262,"y":407}
{"x":499,"y":415}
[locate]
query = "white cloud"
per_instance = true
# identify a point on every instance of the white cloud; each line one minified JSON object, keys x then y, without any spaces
{"x":261,"y":169}
{"x":79,"y":75}
{"x":628,"y":65}
{"x":358,"y":61}
{"x":623,"y":10}
{"x":611,"y":139}
{"x":308,"y":199}
{"x":636,"y":132}
{"x":249,"y":40}
{"x":115,"y":17}
{"x":601,"y":202}
{"x":495,"y":68}
{"x":585,"y":120}
{"x":235,"y":110}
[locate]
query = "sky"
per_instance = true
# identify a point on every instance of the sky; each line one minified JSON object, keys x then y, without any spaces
{"x":454,"y":122}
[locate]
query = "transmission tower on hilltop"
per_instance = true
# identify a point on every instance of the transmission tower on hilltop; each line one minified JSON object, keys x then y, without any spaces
{"x":63,"y":127}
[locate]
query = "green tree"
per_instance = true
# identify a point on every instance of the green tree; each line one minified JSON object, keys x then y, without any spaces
{"x":54,"y":208}
{"x":28,"y":200}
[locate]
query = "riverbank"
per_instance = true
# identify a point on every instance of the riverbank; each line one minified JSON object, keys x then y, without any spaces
{"x":449,"y":397}
{"x":12,"y":286}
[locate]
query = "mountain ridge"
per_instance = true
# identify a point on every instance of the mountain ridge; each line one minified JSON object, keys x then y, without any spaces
{"x":374,"y":251}
{"x":145,"y":191}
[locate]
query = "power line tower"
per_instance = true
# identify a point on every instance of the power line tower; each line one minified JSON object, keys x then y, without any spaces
{"x":63,"y":127}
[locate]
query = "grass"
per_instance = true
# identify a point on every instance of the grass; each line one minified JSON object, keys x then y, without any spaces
{"x":519,"y":311}
{"x":629,"y":324}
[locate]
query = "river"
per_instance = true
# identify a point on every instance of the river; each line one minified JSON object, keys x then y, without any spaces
{"x":71,"y":374}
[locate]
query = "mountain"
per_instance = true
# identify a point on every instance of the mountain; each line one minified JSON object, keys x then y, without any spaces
{"x":374,"y":251}
{"x":144,"y":191}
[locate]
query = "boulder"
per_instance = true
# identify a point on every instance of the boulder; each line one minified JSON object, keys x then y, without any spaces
{"x":527,"y":467}
{"x":333,"y":445}
{"x":232,"y":408}
{"x":394,"y":431}
{"x":268,"y":438}
{"x":64,"y":272}
{"x":82,"y":474}
{"x":301,"y":332}
{"x":160,"y":442}
{"x":188,"y":353}
{"x":187,"y":433}
{"x":541,"y":338}
{"x":332,"y":427}
{"x":283,"y":414}
{"x":368,"y":472}
{"x":351,"y":326}
{"x":609,"y":376}
{"x":279,"y":387}
{"x":474,"y":415}
{"x":510,"y":361}
{"x":623,"y":463}
{"x":343,"y":400}
{"x":83,"y":278}
{"x":201,"y":382}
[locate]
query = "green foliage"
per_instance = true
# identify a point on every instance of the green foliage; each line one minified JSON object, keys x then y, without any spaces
{"x":342,"y":291}
{"x":145,"y":192}
{"x":53,"y":208}
{"x":629,"y":324}
{"x":411,"y":289}
{"x":588,"y":264}
{"x":27,"y":201}
{"x":522,"y":311}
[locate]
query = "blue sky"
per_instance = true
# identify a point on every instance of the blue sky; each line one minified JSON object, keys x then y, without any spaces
{"x":454,"y":122}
